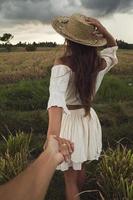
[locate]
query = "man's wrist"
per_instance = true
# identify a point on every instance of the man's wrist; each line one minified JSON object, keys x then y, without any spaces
{"x":56,"y":158}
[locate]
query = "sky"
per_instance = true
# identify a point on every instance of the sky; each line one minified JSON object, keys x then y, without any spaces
{"x":30,"y":20}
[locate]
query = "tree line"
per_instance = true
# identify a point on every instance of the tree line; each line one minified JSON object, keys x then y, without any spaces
{"x":6,"y":43}
{"x":124,"y":45}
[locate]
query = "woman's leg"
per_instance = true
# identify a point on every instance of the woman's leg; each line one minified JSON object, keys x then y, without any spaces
{"x":82,"y":177}
{"x":71,"y":184}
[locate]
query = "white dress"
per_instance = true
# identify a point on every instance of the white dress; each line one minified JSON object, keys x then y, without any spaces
{"x":85,"y":132}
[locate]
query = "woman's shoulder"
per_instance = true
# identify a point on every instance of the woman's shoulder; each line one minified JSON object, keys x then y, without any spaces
{"x":58,"y":61}
{"x":62,"y":63}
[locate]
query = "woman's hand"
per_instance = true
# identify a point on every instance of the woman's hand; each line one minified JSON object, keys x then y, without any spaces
{"x":101,"y":31}
{"x":54,"y":145}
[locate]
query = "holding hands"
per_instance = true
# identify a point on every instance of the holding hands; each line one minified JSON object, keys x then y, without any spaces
{"x":60,"y":148}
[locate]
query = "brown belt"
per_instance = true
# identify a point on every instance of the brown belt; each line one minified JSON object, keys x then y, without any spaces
{"x":73,"y":107}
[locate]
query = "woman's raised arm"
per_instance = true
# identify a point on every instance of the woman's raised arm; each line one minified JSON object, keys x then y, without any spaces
{"x":102,"y":30}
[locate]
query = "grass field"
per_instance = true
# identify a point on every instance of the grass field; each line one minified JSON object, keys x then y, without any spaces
{"x":24,"y":82}
{"x":23,"y":65}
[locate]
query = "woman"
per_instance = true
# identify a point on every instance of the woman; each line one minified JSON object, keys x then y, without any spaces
{"x":75,"y":78}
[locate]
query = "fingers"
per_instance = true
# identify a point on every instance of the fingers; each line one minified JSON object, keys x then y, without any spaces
{"x":98,"y":31}
{"x":93,"y":21}
{"x":90,"y":19}
{"x":66,"y":149}
{"x":68,"y":145}
{"x":65,"y":153}
{"x":97,"y":34}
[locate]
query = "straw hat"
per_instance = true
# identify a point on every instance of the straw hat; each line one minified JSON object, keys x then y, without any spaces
{"x":77,"y":29}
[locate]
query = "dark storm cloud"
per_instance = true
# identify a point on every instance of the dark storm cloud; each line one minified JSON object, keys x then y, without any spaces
{"x":106,"y":7}
{"x":25,"y":9}
{"x":45,"y":10}
{"x":42,"y":10}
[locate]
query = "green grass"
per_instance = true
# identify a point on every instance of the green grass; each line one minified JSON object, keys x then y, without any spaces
{"x":15,"y":66}
{"x":27,"y":121}
{"x":25,"y":95}
{"x":16,"y":152}
{"x":110,"y":177}
{"x":23,"y":107}
{"x":24,"y":81}
{"x":14,"y":155}
{"x":116,"y":173}
{"x":114,"y":89}
{"x":33,"y":94}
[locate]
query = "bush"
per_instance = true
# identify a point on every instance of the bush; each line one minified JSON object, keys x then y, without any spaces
{"x":13,"y":155}
{"x":116,"y":120}
{"x":115,"y":178}
{"x":16,"y":152}
{"x":30,"y":47}
{"x":35,"y":121}
{"x":114,"y":89}
{"x":25,"y":95}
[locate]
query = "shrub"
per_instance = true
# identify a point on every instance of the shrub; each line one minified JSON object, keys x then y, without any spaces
{"x":14,"y":155}
{"x":30,"y":47}
{"x":35,"y":121}
{"x":25,"y":95}
{"x":16,"y":152}
{"x":114,"y":89}
{"x":115,"y":178}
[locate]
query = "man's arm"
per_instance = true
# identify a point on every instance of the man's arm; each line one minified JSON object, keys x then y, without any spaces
{"x":33,"y":182}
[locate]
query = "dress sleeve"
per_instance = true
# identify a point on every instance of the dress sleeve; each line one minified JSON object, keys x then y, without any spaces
{"x":109,"y":54}
{"x":59,"y":79}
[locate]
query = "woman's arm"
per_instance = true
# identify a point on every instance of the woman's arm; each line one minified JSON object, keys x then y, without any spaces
{"x":103,"y":33}
{"x":101,"y":29}
{"x":55,"y":117}
{"x":55,"y":114}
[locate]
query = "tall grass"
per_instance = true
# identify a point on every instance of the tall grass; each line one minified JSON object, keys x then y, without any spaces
{"x":17,"y":151}
{"x":115,"y":178}
{"x":113,"y":174}
{"x":14,"y":155}
{"x":33,"y":94}
{"x":25,"y":95}
{"x":114,"y":89}
{"x":27,"y":121}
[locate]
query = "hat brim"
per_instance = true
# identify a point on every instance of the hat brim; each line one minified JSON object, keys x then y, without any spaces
{"x":59,"y":24}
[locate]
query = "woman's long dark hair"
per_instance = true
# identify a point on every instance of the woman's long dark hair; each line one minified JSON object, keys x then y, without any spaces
{"x":85,"y":62}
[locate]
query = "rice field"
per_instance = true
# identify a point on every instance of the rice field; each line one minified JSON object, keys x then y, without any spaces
{"x":23,"y":65}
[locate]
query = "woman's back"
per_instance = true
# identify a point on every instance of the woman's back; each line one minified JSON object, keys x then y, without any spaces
{"x":65,"y":79}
